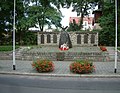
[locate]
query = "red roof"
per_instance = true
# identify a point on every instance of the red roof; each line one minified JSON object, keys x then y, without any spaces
{"x":77,"y":19}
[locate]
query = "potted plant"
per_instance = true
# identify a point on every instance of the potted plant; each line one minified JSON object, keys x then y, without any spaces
{"x":43,"y":65}
{"x":82,"y":67}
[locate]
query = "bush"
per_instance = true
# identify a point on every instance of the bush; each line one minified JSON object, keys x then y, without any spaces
{"x":29,"y":38}
{"x":7,"y":48}
{"x":82,"y":67}
{"x":43,"y":65}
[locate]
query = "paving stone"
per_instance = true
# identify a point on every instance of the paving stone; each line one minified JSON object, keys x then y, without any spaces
{"x":61,"y":67}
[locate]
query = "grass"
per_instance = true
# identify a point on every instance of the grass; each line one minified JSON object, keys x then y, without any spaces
{"x":119,"y":48}
{"x":7,"y":48}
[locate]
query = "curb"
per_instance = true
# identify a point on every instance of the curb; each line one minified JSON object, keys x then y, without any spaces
{"x":62,"y":75}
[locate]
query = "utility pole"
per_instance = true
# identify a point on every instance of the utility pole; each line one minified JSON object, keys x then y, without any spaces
{"x":115,"y":70}
{"x":14,"y":38}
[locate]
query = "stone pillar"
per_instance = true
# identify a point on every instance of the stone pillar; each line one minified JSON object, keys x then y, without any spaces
{"x":82,"y":39}
{"x":38,"y":38}
{"x":58,"y":38}
{"x":73,"y":37}
{"x":51,"y":35}
{"x":89,"y":39}
{"x":45,"y":38}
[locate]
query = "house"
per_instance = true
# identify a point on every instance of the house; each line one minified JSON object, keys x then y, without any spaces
{"x":87,"y":22}
{"x":97,"y":15}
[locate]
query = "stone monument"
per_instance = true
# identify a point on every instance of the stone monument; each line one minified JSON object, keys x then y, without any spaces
{"x":65,"y":38}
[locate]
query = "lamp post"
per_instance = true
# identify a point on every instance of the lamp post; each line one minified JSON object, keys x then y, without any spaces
{"x":14,"y":38}
{"x":115,"y":70}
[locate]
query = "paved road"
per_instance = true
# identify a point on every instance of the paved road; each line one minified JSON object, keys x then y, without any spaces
{"x":37,"y":84}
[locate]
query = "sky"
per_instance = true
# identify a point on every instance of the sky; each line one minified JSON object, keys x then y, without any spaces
{"x":67,"y":13}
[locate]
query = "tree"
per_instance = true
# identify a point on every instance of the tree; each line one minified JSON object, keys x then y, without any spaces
{"x":73,"y":26}
{"x":43,"y":12}
{"x":82,"y":8}
{"x":5,"y":20}
{"x":21,"y":21}
{"x":107,"y":22}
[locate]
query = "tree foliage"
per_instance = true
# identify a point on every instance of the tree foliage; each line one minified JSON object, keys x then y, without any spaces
{"x":73,"y":26}
{"x":107,"y":22}
{"x":43,"y":12}
{"x":46,"y":12}
{"x":5,"y":19}
{"x":82,"y":8}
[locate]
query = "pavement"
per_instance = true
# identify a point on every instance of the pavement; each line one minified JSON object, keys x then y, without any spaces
{"x":102,"y":69}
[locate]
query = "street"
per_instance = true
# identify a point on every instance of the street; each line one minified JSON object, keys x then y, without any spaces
{"x":38,"y":84}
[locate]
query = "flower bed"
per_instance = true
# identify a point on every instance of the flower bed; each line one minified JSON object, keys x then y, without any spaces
{"x":43,"y":65}
{"x":82,"y":67}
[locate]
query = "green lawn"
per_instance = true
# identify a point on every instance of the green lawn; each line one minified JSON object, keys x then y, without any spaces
{"x":7,"y":48}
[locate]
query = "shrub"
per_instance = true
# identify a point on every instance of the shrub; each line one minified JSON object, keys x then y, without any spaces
{"x":43,"y":65}
{"x":7,"y":48}
{"x":82,"y":67}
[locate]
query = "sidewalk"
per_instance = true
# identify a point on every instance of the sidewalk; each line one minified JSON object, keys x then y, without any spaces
{"x":103,"y":69}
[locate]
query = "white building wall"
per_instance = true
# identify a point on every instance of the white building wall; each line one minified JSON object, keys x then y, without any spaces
{"x":87,"y":26}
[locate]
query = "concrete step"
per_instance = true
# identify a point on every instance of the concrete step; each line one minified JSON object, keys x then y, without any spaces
{"x":25,"y":54}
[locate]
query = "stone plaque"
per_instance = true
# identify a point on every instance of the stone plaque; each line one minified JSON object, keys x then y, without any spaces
{"x":54,"y":38}
{"x":42,"y":39}
{"x":92,"y":39}
{"x":79,"y":39}
{"x":48,"y":38}
{"x":86,"y":38}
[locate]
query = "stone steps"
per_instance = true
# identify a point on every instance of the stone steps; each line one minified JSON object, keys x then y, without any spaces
{"x":66,"y":56}
{"x":25,"y":54}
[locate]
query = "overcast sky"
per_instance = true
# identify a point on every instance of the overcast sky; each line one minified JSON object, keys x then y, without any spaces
{"x":67,"y":13}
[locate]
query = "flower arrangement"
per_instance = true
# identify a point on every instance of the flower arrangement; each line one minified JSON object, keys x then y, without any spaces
{"x":43,"y":65}
{"x":64,"y":47}
{"x":82,"y":67}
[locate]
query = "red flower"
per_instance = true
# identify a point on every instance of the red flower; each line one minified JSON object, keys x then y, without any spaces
{"x":103,"y":48}
{"x":43,"y":65}
{"x":81,"y":67}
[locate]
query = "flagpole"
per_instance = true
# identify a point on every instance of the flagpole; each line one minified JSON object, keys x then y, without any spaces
{"x":115,"y":70}
{"x":14,"y":38}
